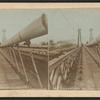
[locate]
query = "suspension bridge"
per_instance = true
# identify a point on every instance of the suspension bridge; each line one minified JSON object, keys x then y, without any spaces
{"x":78,"y":69}
{"x":22,"y":66}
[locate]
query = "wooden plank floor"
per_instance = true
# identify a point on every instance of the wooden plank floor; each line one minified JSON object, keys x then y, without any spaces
{"x":8,"y":78}
{"x":90,"y":73}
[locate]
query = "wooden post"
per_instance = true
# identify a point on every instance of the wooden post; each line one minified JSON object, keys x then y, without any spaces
{"x":98,"y":55}
{"x":96,"y":52}
{"x":16,"y":60}
{"x":23,"y":64}
{"x":34,"y":65}
{"x":11,"y":56}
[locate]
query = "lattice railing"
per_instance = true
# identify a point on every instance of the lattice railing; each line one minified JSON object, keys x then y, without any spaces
{"x":60,"y":69}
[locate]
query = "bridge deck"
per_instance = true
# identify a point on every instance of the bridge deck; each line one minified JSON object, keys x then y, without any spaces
{"x":90,"y":73}
{"x":8,"y":77}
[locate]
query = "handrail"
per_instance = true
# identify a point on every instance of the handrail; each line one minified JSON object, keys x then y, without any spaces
{"x":57,"y":62}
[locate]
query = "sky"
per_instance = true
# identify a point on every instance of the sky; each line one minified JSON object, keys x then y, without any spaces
{"x":65,"y":23}
{"x":62,"y":23}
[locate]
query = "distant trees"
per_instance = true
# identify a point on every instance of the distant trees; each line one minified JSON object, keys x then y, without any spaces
{"x":87,"y":42}
{"x":58,"y":43}
{"x":68,"y":44}
{"x":44,"y":43}
{"x":51,"y":42}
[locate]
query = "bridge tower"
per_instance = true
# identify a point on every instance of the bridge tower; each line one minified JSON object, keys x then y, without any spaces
{"x":4,"y":35}
{"x":79,"y":38}
{"x":91,"y":35}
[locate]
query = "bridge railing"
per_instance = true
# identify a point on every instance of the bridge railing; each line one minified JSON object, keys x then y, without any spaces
{"x":23,"y":62}
{"x":94,"y":52}
{"x":59,"y":69}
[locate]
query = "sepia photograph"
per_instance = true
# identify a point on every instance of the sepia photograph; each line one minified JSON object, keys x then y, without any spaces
{"x":23,"y":49}
{"x":49,"y":50}
{"x":74,"y":49}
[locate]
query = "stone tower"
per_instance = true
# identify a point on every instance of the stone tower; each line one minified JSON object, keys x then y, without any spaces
{"x":4,"y":35}
{"x":79,"y":38}
{"x":91,"y":35}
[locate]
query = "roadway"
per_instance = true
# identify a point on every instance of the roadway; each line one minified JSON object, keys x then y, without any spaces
{"x":90,"y":72}
{"x":9,"y":79}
